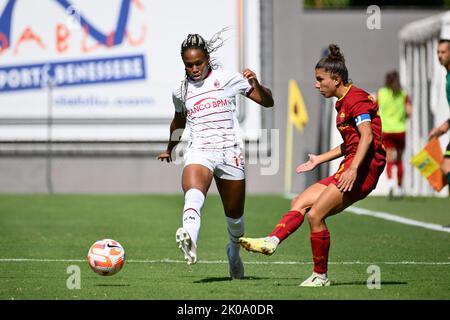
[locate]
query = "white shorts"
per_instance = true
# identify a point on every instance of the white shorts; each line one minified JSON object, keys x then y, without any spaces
{"x":227,"y":164}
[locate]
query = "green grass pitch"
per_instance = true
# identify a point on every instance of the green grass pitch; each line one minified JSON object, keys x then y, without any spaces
{"x":42,"y":235}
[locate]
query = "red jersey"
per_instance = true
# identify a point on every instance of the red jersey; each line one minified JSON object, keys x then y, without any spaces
{"x":354,"y":103}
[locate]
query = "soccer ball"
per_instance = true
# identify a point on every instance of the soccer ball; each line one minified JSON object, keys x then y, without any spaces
{"x":106,"y":257}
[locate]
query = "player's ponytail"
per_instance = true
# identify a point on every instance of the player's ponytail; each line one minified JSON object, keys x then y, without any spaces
{"x":392,"y":81}
{"x":334,"y":63}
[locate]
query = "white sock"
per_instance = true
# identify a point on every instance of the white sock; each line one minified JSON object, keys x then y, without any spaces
{"x":235,"y":229}
{"x":193,"y":203}
{"x":275,"y":240}
{"x":391,"y":183}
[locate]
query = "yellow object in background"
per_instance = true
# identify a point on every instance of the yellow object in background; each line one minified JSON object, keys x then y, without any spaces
{"x":297,"y":112}
{"x":427,"y":161}
{"x":297,"y":117}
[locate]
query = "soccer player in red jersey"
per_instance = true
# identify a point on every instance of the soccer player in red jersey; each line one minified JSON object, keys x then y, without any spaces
{"x":359,"y":123}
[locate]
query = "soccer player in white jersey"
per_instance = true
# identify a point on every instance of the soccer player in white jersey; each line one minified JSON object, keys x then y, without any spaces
{"x":206,"y":100}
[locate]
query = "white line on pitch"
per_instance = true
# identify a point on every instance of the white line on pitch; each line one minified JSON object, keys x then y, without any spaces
{"x":392,"y":217}
{"x":246,"y":262}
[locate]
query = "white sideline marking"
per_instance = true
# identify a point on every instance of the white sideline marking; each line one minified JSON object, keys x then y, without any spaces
{"x":246,"y":262}
{"x":392,"y":217}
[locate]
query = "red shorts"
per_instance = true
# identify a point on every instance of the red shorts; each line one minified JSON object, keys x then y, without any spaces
{"x":394,"y":140}
{"x":366,"y":180}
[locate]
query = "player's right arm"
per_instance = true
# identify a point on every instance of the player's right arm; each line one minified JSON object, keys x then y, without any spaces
{"x":176,"y":131}
{"x":439,"y":131}
{"x":315,"y":160}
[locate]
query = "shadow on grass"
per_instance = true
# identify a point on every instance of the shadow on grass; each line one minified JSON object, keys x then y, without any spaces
{"x":111,"y":285}
{"x":364,"y":283}
{"x":221,"y":279}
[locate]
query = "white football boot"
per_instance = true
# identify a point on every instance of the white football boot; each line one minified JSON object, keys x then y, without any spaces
{"x":186,"y":245}
{"x":316,"y":280}
{"x":399,"y":193}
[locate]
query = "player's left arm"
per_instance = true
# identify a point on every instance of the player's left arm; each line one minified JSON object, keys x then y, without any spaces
{"x":260,"y":94}
{"x":348,"y":177}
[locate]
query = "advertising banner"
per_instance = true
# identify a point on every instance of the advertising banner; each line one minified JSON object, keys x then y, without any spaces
{"x":101,"y":70}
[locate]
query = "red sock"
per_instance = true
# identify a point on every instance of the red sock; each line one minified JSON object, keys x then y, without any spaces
{"x":290,"y":222}
{"x":389,"y":166}
{"x":320,"y":244}
{"x":399,"y":173}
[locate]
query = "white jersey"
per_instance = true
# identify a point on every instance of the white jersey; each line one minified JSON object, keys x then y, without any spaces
{"x":210,"y":109}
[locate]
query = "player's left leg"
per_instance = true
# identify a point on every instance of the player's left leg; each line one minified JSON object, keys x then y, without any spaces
{"x":331,"y":201}
{"x":232,"y":193}
{"x":390,"y":142}
{"x":391,"y":161}
{"x":399,"y":163}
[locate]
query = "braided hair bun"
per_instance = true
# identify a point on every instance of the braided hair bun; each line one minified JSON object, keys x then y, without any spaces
{"x":334,"y":63}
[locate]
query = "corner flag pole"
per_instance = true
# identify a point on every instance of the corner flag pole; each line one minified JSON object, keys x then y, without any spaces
{"x":49,"y":179}
{"x":298,"y":117}
{"x":288,"y":156}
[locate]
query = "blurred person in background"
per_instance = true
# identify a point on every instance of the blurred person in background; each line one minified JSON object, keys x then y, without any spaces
{"x":395,"y":108}
{"x":444,"y":59}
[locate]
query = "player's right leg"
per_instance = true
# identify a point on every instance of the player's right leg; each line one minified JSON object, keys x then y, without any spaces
{"x":196,"y":180}
{"x":331,"y":201}
{"x":399,"y":164}
{"x":232,"y":192}
{"x":288,"y":224}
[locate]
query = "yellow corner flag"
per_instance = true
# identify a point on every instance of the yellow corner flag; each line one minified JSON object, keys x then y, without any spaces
{"x":297,"y":112}
{"x":297,"y":116}
{"x":427,"y":162}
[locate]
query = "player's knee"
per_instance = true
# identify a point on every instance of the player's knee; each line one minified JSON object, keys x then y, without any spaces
{"x":293,"y":202}
{"x":313,"y":219}
{"x":298,"y":204}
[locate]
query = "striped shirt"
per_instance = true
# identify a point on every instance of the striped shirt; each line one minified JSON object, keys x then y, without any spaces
{"x":211,"y":109}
